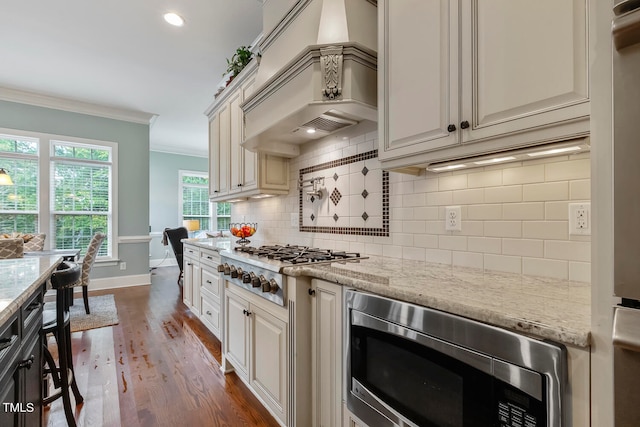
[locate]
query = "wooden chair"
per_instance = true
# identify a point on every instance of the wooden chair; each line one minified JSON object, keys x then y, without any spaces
{"x":175,"y":236}
{"x":57,"y":322}
{"x":87,"y":263}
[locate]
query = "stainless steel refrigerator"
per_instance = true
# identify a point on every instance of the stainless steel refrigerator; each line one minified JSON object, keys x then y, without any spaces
{"x":626,"y":164}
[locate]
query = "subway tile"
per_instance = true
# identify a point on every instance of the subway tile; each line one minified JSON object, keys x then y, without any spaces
{"x":435,"y":227}
{"x":580,"y":271}
{"x":573,"y":169}
{"x":468,"y":259}
{"x":399,"y":214}
{"x":417,"y":254}
{"x":415,"y":227}
{"x":392,"y":251}
{"x":506,"y":194}
{"x":570,"y":251}
{"x":366,"y":146}
{"x":403,"y":239}
{"x":545,"y":267}
{"x":456,"y":243}
{"x":510,"y":264}
{"x":402,"y":187}
{"x":580,"y":190}
{"x":480,"y":212}
{"x":523,"y":247}
{"x":523,"y":175}
{"x":472,"y":228}
{"x":546,"y":230}
{"x":503,"y":228}
{"x":426,"y":185}
{"x":413,"y":199}
{"x":425,"y":212}
{"x":425,"y":241}
{"x":438,"y":256}
{"x":484,"y":244}
{"x":441,"y":198}
{"x":452,"y":182}
{"x":483,"y":179}
{"x":556,"y":210}
{"x":373,"y":249}
{"x":511,"y":211}
{"x":467,"y":197}
{"x":545,"y":191}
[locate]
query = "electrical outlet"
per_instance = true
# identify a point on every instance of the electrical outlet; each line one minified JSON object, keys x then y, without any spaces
{"x":453,"y":218}
{"x":294,"y":219}
{"x":580,"y":219}
{"x":123,"y":265}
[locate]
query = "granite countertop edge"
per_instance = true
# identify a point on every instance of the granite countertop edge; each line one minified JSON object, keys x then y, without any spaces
{"x":15,"y":305}
{"x":215,"y":243}
{"x":379,"y":284}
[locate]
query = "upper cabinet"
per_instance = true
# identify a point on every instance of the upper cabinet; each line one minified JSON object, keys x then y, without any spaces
{"x":234,"y":172}
{"x":463,"y":78}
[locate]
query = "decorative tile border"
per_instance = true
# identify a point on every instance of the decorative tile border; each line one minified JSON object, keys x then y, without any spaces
{"x":335,"y":196}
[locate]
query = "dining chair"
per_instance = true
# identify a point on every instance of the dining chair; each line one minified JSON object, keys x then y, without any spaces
{"x":175,"y":236}
{"x":87,"y":263}
{"x":11,"y":248}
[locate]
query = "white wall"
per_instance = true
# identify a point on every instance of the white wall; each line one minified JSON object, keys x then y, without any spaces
{"x":514,"y":216}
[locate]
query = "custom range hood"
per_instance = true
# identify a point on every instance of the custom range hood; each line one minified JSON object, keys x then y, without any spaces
{"x":317,"y":73}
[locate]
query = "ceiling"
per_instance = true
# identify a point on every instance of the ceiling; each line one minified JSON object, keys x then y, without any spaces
{"x":121,"y":53}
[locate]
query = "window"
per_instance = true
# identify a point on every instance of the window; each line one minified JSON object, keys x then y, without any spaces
{"x":80,"y":194}
{"x":62,"y":187}
{"x":194,"y":197}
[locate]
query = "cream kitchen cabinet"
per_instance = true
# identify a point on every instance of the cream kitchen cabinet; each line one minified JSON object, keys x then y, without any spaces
{"x":326,"y":359}
{"x":191,"y":279}
{"x":234,"y":172}
{"x":255,"y":344}
{"x":457,"y":79}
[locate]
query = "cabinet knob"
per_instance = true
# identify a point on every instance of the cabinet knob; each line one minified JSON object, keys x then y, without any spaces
{"x":27,"y":363}
{"x":239,"y":185}
{"x":464,"y":124}
{"x":215,"y":191}
{"x":451,"y":128}
{"x":312,"y":292}
{"x":208,"y":313}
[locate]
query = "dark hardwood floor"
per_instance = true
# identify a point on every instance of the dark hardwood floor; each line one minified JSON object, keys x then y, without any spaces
{"x":159,"y":366}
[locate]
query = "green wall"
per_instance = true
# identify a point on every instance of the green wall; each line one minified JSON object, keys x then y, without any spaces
{"x":163,"y":190}
{"x":133,"y":169}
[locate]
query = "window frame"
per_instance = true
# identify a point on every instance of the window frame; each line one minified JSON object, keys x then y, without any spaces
{"x":181,"y":174}
{"x":45,"y":159}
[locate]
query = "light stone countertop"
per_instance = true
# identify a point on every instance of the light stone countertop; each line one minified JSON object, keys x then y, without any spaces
{"x":542,"y":307}
{"x":214,"y":243}
{"x":20,"y":278}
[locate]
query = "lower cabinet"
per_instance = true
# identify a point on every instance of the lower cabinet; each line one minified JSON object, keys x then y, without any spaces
{"x":255,"y":343}
{"x":326,"y":353}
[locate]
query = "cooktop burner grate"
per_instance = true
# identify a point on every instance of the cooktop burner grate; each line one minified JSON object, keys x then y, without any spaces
{"x":295,"y":254}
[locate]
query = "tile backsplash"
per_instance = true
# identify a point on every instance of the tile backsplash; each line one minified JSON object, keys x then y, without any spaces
{"x":514,"y":216}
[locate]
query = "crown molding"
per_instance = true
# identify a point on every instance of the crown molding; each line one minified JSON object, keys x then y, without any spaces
{"x":47,"y":101}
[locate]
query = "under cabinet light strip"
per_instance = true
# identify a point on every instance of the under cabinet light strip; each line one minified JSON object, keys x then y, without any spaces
{"x":554,"y":149}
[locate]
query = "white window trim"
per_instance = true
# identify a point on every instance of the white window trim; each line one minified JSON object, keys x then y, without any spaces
{"x":45,"y":141}
{"x":181,"y":174}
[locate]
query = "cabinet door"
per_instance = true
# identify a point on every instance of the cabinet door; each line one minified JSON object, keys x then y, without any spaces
{"x":224,"y":150}
{"x":417,"y":75}
{"x":214,"y":155}
{"x":187,"y":282}
{"x":195,"y":288}
{"x":524,"y":66}
{"x":9,"y":395}
{"x":268,"y":375}
{"x":32,"y":378}
{"x":236,"y":336}
{"x":326,"y":335}
{"x":236,"y":151}
{"x":250,"y":161}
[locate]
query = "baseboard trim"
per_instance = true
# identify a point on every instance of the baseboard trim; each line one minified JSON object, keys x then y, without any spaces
{"x":163,"y":262}
{"x":117,"y":282}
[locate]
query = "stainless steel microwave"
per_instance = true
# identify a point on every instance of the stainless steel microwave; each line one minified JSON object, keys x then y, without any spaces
{"x":408,"y":365}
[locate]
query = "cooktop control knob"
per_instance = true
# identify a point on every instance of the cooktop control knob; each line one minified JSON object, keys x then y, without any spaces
{"x":226,"y":269}
{"x":220,"y":268}
{"x":255,"y":281}
{"x":234,"y":272}
{"x":273,"y":286}
{"x":264,"y":283}
{"x":246,"y":278}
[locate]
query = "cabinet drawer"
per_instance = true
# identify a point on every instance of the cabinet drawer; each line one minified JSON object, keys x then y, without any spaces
{"x":211,"y":258}
{"x":211,"y":315}
{"x":31,"y":314}
{"x":9,"y":342}
{"x":211,"y":282}
{"x":190,"y":251}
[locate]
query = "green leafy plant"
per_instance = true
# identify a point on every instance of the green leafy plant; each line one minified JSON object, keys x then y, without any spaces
{"x":238,"y":61}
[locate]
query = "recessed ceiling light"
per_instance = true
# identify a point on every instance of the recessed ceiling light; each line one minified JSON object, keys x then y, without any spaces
{"x":174,"y":19}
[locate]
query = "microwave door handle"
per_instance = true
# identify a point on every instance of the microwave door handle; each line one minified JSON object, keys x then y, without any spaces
{"x":626,"y":328}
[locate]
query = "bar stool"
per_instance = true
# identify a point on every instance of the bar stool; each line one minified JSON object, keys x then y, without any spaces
{"x":57,"y":322}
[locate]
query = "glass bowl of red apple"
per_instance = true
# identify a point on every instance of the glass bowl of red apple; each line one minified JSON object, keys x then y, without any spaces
{"x":243,"y":230}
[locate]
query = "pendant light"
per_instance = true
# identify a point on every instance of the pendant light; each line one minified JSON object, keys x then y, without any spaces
{"x":5,"y":179}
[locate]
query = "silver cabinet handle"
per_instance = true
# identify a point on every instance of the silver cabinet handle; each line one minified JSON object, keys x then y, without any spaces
{"x":626,"y":328}
{"x":625,"y":29}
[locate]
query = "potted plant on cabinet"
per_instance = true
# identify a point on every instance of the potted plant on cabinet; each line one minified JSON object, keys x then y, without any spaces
{"x":238,"y":61}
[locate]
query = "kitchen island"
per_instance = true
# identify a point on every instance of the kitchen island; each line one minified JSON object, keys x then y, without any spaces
{"x":22,"y":285}
{"x":543,"y":307}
